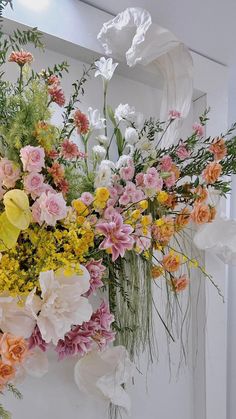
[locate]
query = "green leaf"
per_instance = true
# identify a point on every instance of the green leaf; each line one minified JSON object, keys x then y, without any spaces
{"x":111,"y":115}
{"x":119,"y":141}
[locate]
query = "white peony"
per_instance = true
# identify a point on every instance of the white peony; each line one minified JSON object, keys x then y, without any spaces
{"x":95,"y":120}
{"x":131,"y":135}
{"x":15,"y":319}
{"x":99,"y":152}
{"x":105,"y":68}
{"x":102,"y":375}
{"x":62,"y":303}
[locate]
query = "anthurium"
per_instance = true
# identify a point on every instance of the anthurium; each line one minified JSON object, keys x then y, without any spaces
{"x":17,"y":208}
{"x":8,"y":233}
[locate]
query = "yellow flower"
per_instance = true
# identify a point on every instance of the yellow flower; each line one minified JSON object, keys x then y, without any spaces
{"x":102,"y":194}
{"x":99,"y":204}
{"x":135,"y":214}
{"x":146,"y":220}
{"x":80,"y":207}
{"x":143,"y":204}
{"x":162,"y":197}
{"x":160,"y":222}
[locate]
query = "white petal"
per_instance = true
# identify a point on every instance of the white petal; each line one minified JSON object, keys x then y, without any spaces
{"x":36,"y":364}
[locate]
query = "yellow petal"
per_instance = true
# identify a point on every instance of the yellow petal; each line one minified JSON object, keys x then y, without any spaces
{"x":8,"y":233}
{"x":17,"y":208}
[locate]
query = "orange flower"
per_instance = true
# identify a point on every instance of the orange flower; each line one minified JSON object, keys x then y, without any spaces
{"x":13,"y":349}
{"x":163,"y":230}
{"x":176,"y":171}
{"x":171,"y":262}
{"x":7,"y":372}
{"x":201,"y":213}
{"x":21,"y":57}
{"x":212,"y":172}
{"x":81,"y":122}
{"x":182,"y":219}
{"x":202,"y":194}
{"x":180,"y":284}
{"x":218,"y":148}
{"x":57,"y":172}
{"x":171,"y":201}
{"x":157,"y":271}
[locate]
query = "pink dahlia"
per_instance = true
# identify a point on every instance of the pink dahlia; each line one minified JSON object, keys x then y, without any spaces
{"x":57,"y":172}
{"x":21,"y":57}
{"x":117,"y":236}
{"x":69,"y":150}
{"x":81,"y":122}
{"x":53,"y":80}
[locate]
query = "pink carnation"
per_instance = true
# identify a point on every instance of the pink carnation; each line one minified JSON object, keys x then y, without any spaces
{"x":32,"y":158}
{"x":127,"y":173}
{"x":117,"y":236}
{"x":124,"y":199}
{"x":139,"y":178}
{"x":166,"y":163}
{"x":87,"y":198}
{"x":33,"y":184}
{"x":173,"y":114}
{"x":170,"y":180}
{"x":138,"y":195}
{"x":53,"y":80}
{"x":49,"y":208}
{"x":152,"y":179}
{"x":69,"y":150}
{"x":182,"y":152}
{"x":198,"y":129}
{"x":9,"y":172}
{"x":37,"y":340}
{"x":96,"y":270}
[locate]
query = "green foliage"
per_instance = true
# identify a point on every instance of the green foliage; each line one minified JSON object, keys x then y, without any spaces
{"x":16,"y":393}
{"x":4,"y":414}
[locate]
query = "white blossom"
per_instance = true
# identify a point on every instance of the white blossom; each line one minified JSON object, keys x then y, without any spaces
{"x":15,"y":319}
{"x":62,"y":303}
{"x":99,"y":152}
{"x":103,"y":374}
{"x":105,"y":68}
{"x":131,"y":135}
{"x":102,"y":139}
{"x":103,"y":176}
{"x":127,"y":112}
{"x":95,"y":120}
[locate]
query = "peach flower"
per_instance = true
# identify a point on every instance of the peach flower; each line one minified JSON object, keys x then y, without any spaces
{"x":21,"y":57}
{"x":7,"y":372}
{"x":212,"y":214}
{"x":182,"y":219}
{"x":201,"y":193}
{"x":180,"y":284}
{"x":218,"y":148}
{"x":13,"y":349}
{"x":171,"y":262}
{"x":212,"y":172}
{"x":157,"y":271}
{"x":201,"y":213}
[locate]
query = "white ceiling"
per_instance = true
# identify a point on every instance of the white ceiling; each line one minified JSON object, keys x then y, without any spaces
{"x":206,"y":26}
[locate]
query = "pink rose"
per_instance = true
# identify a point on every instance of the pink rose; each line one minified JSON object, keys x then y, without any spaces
{"x":49,"y":208}
{"x":173,"y":114}
{"x":124,"y":199}
{"x":9,"y":173}
{"x":33,"y":184}
{"x":32,"y":158}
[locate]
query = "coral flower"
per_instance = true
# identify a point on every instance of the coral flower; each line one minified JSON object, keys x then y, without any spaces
{"x":171,"y":262}
{"x":69,"y":150}
{"x":57,"y":95}
{"x":81,"y":122}
{"x":212,"y":172}
{"x":7,"y":372}
{"x":202,"y":194}
{"x":57,"y":172}
{"x":218,"y":148}
{"x":117,"y":236}
{"x":182,"y":219}
{"x":180,"y":284}
{"x":21,"y":57}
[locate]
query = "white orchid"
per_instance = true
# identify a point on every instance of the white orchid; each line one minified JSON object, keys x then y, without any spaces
{"x":103,"y":374}
{"x":131,"y":135}
{"x":99,"y":152}
{"x":95,"y":120}
{"x":15,"y":319}
{"x":105,"y":68}
{"x":62,"y":303}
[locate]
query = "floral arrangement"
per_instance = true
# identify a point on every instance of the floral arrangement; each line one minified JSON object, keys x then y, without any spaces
{"x":76,"y":224}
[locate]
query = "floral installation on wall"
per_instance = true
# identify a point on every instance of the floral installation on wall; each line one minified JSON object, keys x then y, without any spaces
{"x":76,"y":224}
